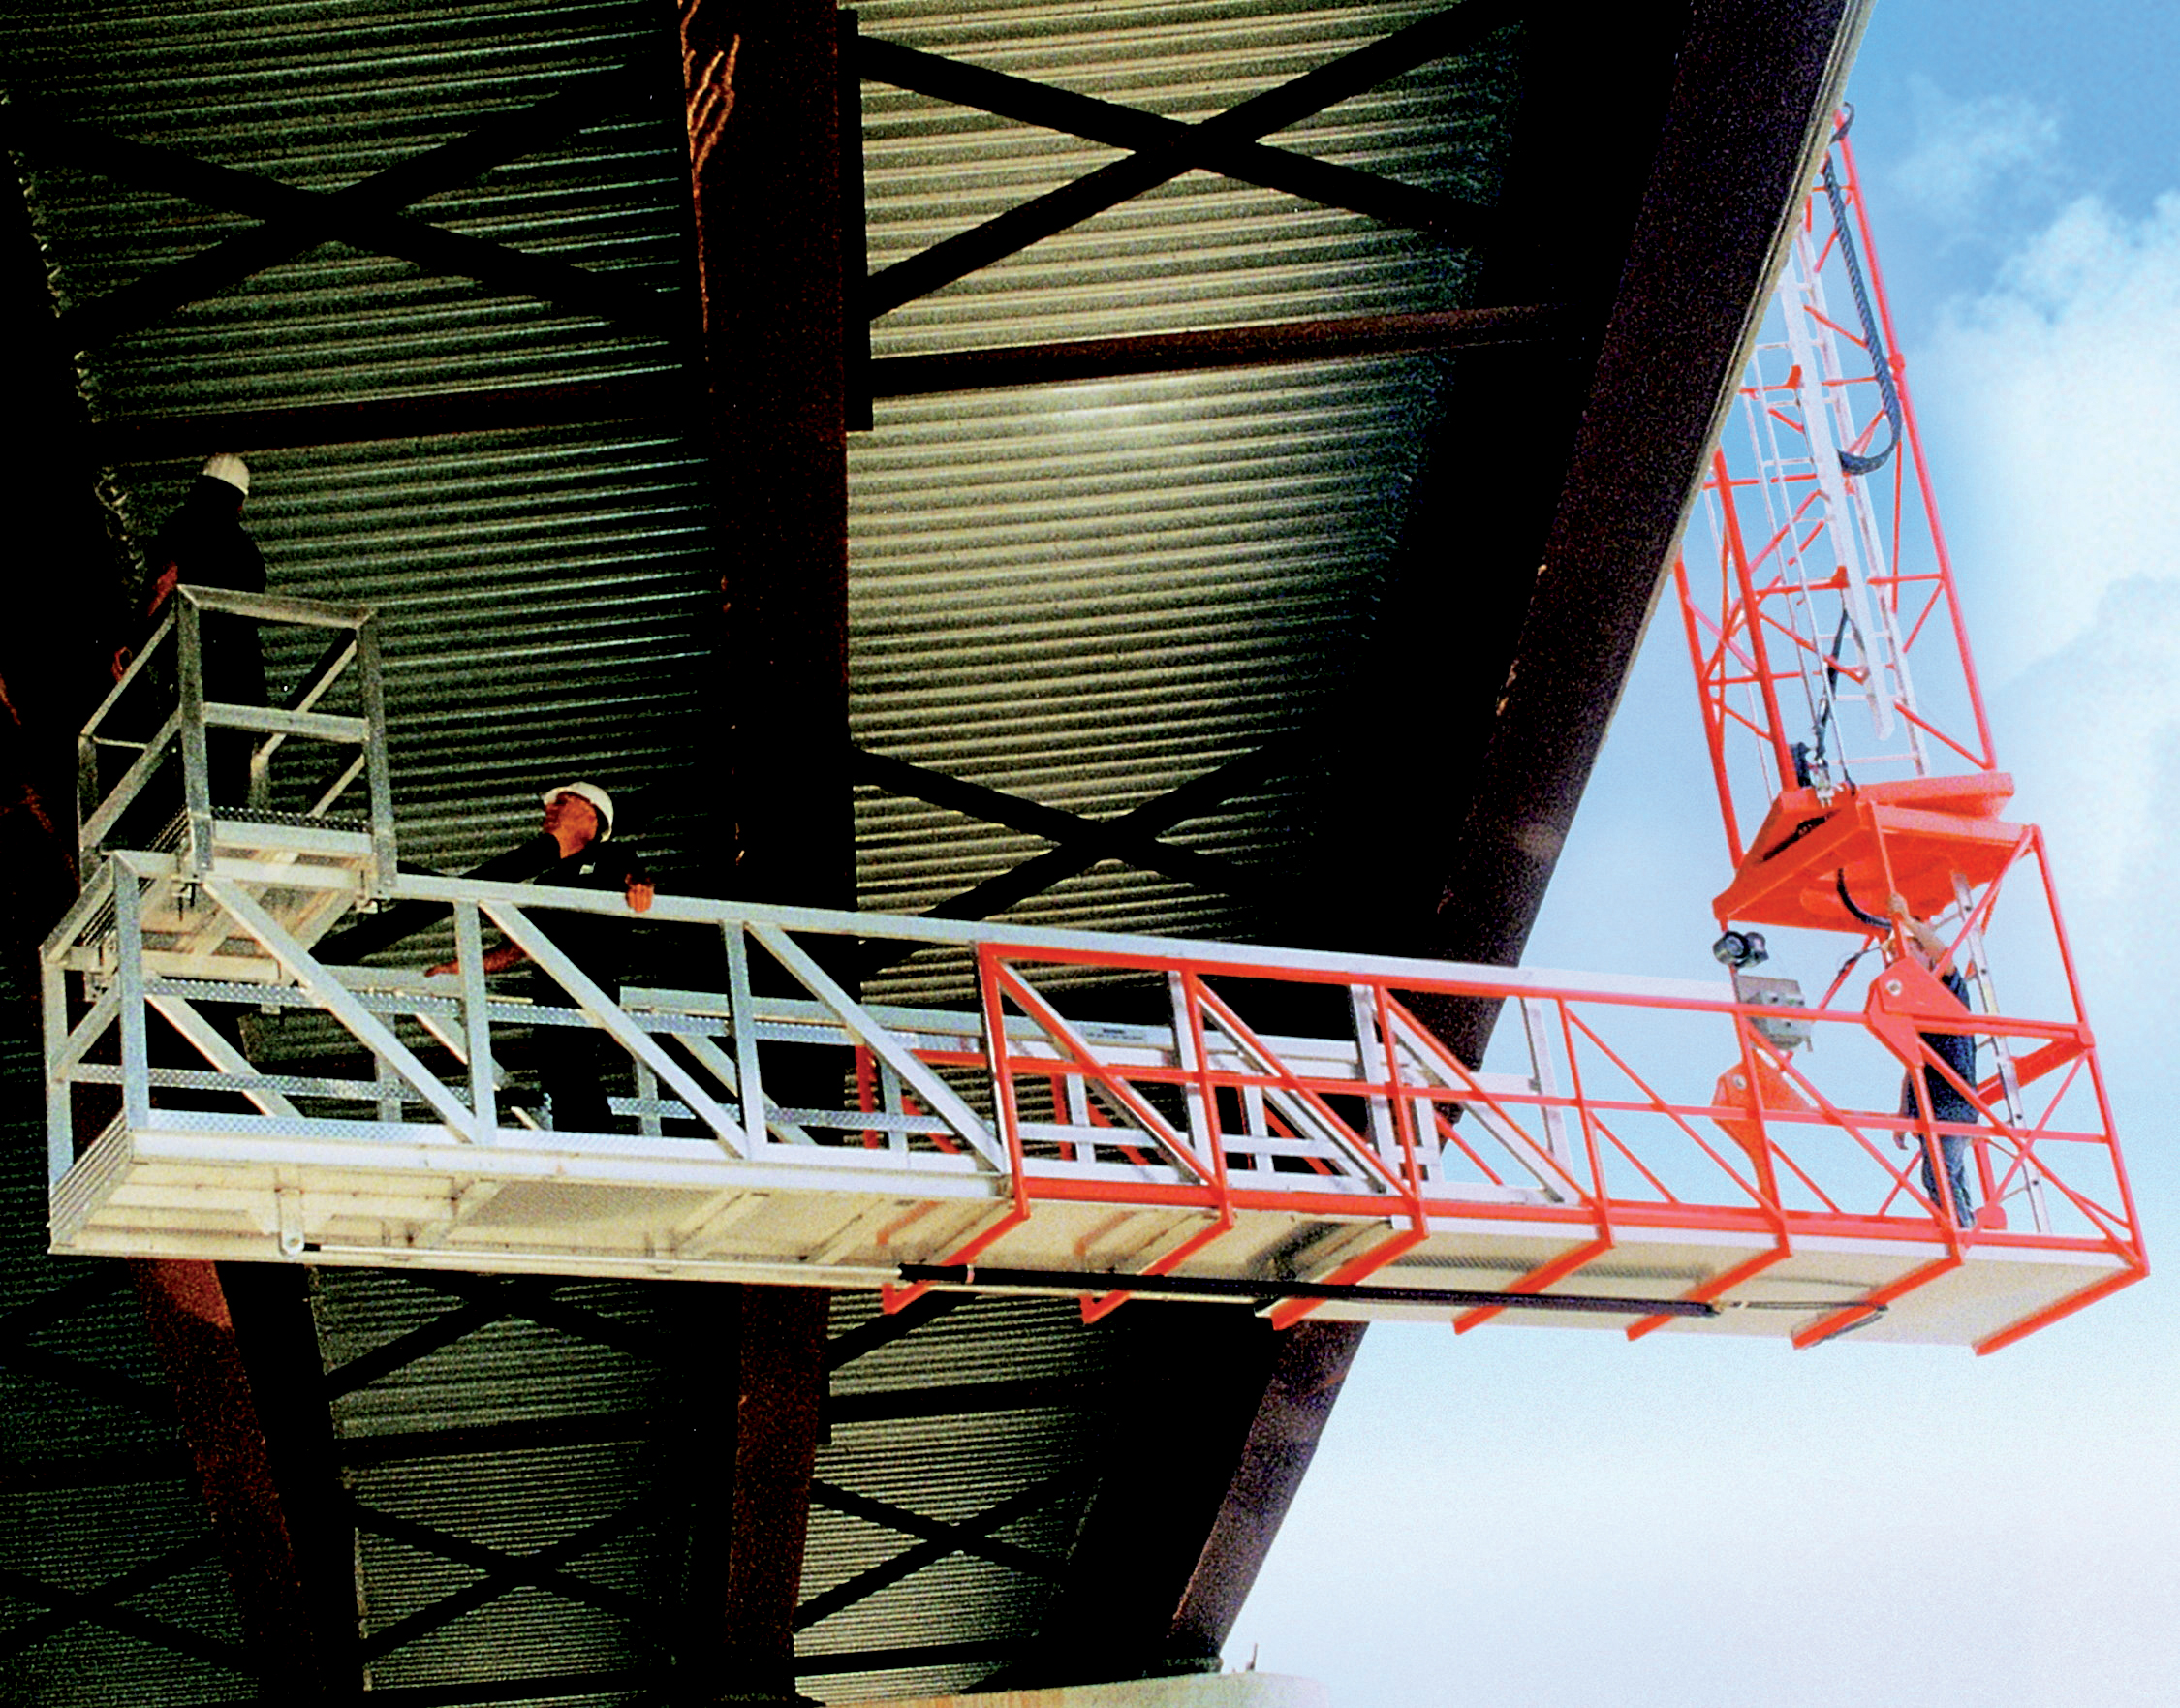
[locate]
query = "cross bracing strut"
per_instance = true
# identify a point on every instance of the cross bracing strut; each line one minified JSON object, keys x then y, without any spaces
{"x":104,"y":1606}
{"x":366,"y":214}
{"x":1206,"y":143}
{"x":1126,"y":127}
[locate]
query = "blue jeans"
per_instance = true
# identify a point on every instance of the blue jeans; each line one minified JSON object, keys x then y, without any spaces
{"x":1957,"y":1176}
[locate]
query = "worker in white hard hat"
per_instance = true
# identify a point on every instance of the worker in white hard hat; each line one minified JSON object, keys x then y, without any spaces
{"x":579,"y":817}
{"x":205,"y":544}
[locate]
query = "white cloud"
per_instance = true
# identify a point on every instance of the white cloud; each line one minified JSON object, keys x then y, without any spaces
{"x":2054,"y":403}
{"x":2095,"y":730}
{"x":1964,"y":150}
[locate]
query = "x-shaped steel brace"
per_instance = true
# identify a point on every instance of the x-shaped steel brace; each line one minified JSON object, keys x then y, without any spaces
{"x":940,"y":1538}
{"x":365,"y":214}
{"x":24,"y":1320}
{"x":1215,"y":143}
{"x":489,"y":1301}
{"x":1133,"y":837}
{"x":503,"y":1571}
{"x":66,"y":1608}
{"x":1045,"y":104}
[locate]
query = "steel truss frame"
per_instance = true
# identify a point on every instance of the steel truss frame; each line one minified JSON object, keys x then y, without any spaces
{"x":1829,"y":603}
{"x":1016,"y":1137}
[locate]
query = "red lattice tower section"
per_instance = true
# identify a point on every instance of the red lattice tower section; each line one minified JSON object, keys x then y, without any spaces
{"x":1848,"y":732}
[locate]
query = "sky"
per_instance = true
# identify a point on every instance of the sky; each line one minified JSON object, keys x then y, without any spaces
{"x":1539,"y":1519}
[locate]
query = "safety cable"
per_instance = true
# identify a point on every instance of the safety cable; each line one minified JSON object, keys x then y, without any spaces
{"x":1848,"y":463}
{"x":1868,"y":919}
{"x":1827,"y":713}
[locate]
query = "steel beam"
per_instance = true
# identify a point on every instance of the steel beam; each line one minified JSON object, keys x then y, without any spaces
{"x":1155,"y":1520}
{"x":761,"y":85}
{"x":756,"y":1391}
{"x":633,"y":397}
{"x":246,"y":1438}
{"x":767,"y":204}
{"x":1311,"y":1362}
{"x":1458,"y":587}
{"x":676,"y":399}
{"x":52,"y":673}
{"x":1276,"y":344}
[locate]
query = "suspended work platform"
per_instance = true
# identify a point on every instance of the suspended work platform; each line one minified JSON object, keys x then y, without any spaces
{"x":1650,"y":1152}
{"x":802,"y":1137}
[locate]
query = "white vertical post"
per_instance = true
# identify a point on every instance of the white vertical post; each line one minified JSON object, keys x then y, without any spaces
{"x":136,"y":1056}
{"x":1537,"y":1024}
{"x":195,"y":749}
{"x":60,"y":1119}
{"x":1375,"y":1065}
{"x":742,"y":1014}
{"x":890,"y":1101}
{"x":379,"y":779}
{"x":477,"y":1023}
{"x":1185,"y":1056}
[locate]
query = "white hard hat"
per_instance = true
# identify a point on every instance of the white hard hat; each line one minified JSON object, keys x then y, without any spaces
{"x":228,"y":468}
{"x":600,"y":801}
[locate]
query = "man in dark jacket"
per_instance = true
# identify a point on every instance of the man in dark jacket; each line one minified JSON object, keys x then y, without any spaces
{"x":579,"y":817}
{"x":205,"y":544}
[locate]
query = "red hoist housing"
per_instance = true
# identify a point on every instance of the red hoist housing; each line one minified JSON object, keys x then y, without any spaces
{"x":1862,"y":792}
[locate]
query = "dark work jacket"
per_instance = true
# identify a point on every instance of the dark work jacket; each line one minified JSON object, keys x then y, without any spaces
{"x":598,"y":944}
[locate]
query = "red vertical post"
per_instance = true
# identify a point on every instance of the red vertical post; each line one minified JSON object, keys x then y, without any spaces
{"x":281,"y":1610}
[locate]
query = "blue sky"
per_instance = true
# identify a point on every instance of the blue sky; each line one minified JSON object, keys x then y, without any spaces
{"x":1546,"y":1520}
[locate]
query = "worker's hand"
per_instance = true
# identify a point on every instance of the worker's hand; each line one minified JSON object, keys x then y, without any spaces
{"x":639,"y":895}
{"x":123,"y":658}
{"x":1897,"y":907}
{"x":170,"y":578}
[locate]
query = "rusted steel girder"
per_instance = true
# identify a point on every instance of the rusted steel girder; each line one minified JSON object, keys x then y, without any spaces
{"x":236,"y":1342}
{"x":762,"y":87}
